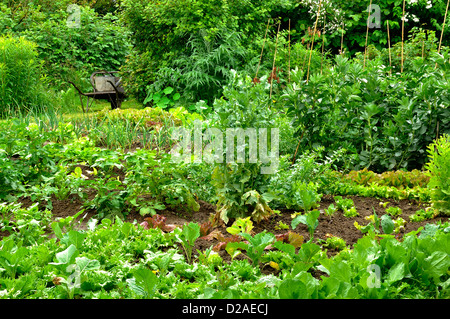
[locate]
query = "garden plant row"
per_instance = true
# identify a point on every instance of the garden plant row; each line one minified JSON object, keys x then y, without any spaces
{"x":98,"y":252}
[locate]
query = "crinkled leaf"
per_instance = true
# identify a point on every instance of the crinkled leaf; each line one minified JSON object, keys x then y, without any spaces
{"x":66,"y":256}
{"x":387,"y":224}
{"x":436,"y":265}
{"x":396,"y":273}
{"x":295,"y":239}
{"x":292,"y":289}
{"x":86,"y":264}
{"x":145,"y":282}
{"x":287,"y":248}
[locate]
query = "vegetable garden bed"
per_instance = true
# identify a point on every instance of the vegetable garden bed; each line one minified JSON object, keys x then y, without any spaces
{"x":81,"y":221}
{"x":335,"y":226}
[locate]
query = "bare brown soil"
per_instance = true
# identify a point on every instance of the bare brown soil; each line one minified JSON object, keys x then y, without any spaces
{"x":337,"y":225}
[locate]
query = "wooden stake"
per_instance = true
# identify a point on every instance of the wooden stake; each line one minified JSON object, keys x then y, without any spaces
{"x":437,"y":129}
{"x":289,"y":60}
{"x":274,"y":57}
{"x":298,"y":145}
{"x":389,"y":45}
{"x":312,"y":43}
{"x":443,"y":26}
{"x":264,"y":41}
{"x":323,"y":42}
{"x":342,"y":38}
{"x":403,"y":32}
{"x":367,"y":33}
{"x":304,"y":59}
{"x":423,"y":48}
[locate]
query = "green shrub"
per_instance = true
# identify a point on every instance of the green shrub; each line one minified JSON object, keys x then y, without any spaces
{"x":195,"y":43}
{"x":299,"y":185}
{"x":74,"y":52}
{"x":439,"y":167}
{"x":20,"y":76}
{"x":139,"y":69}
{"x":205,"y":68}
{"x":353,"y":14}
{"x":385,"y":121}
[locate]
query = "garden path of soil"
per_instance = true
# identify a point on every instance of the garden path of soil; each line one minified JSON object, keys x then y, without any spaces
{"x":337,"y":225}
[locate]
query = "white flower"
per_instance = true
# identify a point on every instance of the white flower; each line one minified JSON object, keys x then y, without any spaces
{"x":415,"y":18}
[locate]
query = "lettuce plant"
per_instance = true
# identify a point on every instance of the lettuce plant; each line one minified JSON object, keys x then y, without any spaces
{"x":346,"y":205}
{"x":241,"y":225}
{"x":187,"y":237}
{"x":334,"y":242}
{"x":254,"y":246}
{"x":387,"y":224}
{"x":423,"y":214}
{"x":310,"y":220}
{"x":394,"y":211}
{"x":373,"y":225}
{"x":144,"y":282}
{"x":12,"y":256}
{"x":157,"y":221}
{"x":330,"y":210}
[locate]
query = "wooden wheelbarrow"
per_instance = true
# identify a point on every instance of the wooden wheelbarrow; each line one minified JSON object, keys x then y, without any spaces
{"x":106,"y":87}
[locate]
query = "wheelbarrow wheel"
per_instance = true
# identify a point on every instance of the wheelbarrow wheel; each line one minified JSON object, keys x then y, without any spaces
{"x":115,"y":103}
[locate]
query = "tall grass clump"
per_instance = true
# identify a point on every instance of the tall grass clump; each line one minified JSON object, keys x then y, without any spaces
{"x":20,"y":77}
